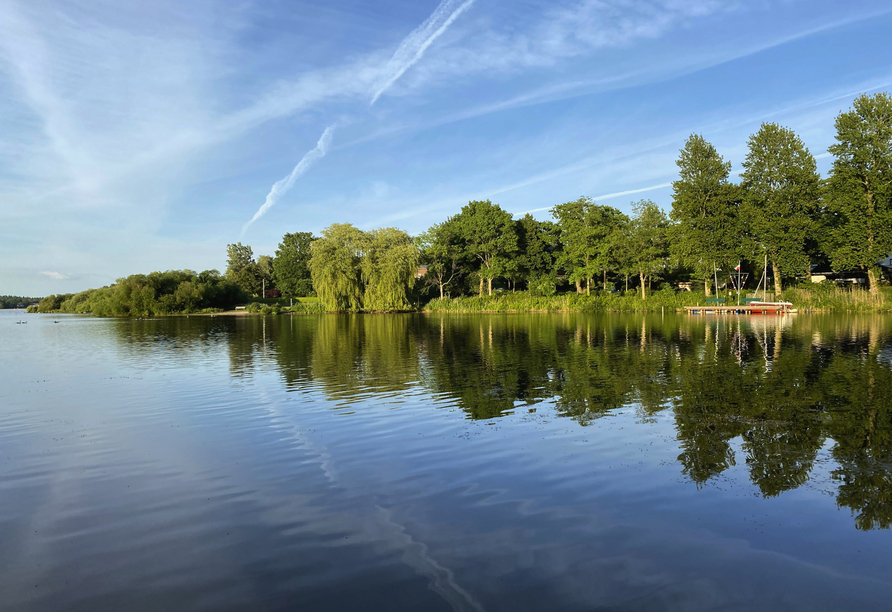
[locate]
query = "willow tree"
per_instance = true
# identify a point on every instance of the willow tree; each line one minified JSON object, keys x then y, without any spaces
{"x":707,"y":228}
{"x":861,"y":186}
{"x":389,"y":267}
{"x":335,"y":267}
{"x":783,"y":191}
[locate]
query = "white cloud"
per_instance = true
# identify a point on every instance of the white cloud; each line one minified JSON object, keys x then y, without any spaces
{"x":55,"y":275}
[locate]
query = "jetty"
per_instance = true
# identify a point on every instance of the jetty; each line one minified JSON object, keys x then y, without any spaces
{"x":752,"y":308}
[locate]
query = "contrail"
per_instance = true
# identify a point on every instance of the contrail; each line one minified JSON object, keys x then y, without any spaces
{"x":406,"y":56}
{"x":606,"y":196}
{"x":282,"y":187}
{"x":416,"y":43}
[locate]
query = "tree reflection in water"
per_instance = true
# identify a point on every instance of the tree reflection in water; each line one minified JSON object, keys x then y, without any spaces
{"x":777,"y":388}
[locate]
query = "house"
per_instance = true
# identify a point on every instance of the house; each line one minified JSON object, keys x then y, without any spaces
{"x":422,"y":270}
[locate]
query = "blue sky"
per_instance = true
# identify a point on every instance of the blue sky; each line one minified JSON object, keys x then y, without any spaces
{"x":146,"y":136}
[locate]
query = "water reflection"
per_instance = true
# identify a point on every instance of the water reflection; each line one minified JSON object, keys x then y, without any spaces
{"x":767,"y":392}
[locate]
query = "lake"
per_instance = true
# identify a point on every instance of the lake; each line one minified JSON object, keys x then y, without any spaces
{"x":457,"y":462}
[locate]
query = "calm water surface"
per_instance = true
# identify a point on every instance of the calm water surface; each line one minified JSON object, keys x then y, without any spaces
{"x":516,"y":462}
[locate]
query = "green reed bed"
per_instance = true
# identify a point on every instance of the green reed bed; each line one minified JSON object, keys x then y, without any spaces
{"x":825,"y":297}
{"x":521,"y":301}
{"x":817,"y":298}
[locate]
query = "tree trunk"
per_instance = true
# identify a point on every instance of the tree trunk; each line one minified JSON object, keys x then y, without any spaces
{"x":872,"y":282}
{"x":707,"y":287}
{"x":643,"y":288}
{"x":489,"y":282}
{"x":480,"y":293}
{"x":605,"y":281}
{"x":441,"y":291}
{"x":777,"y":279}
{"x":588,"y":286}
{"x":579,"y":288}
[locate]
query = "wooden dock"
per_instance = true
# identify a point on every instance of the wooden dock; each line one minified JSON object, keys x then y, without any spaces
{"x":749,"y":309}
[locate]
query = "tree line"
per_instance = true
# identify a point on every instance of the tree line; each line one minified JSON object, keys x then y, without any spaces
{"x":781,"y":211}
{"x":171,"y":292}
{"x":16,"y":301}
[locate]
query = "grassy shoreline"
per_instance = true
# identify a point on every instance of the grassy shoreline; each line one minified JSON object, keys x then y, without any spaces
{"x":826,"y":299}
{"x":807,"y":299}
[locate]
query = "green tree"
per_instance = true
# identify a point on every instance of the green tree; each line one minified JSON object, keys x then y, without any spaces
{"x":335,"y":267}
{"x":537,"y":245}
{"x":389,"y":264}
{"x":188,"y":296}
{"x":860,"y":185}
{"x":783,"y":191}
{"x":291,"y":265}
{"x":249,"y":278}
{"x":588,"y":233}
{"x":442,"y":253}
{"x":707,"y":230}
{"x":237,"y":257}
{"x":488,"y":235}
{"x":648,"y":247}
{"x":267,"y":273}
{"x":52,"y":303}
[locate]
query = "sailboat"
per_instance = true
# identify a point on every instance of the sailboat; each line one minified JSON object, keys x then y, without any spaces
{"x":767,"y":305}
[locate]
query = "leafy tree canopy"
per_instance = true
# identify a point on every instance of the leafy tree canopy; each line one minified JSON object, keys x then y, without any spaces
{"x":783,"y":190}
{"x":488,"y":235}
{"x":589,"y":234}
{"x":291,"y":264}
{"x":861,"y":186}
{"x":647,"y":237}
{"x":705,"y":207}
{"x":237,"y":257}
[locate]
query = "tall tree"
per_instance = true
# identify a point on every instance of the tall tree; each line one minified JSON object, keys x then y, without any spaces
{"x":707,"y":230}
{"x":537,"y":246}
{"x":291,"y":264}
{"x":861,"y":186}
{"x":249,"y":278}
{"x":647,"y":240}
{"x":782,"y":197}
{"x":237,"y":257}
{"x":335,"y":267}
{"x":488,"y":235}
{"x":389,"y":265}
{"x":442,"y":253}
{"x":265,"y":267}
{"x":588,"y":234}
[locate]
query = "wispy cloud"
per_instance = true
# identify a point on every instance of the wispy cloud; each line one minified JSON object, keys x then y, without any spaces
{"x":54,"y":275}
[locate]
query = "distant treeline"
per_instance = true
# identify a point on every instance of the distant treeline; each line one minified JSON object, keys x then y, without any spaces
{"x":171,"y":292}
{"x":16,"y":301}
{"x":781,"y":213}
